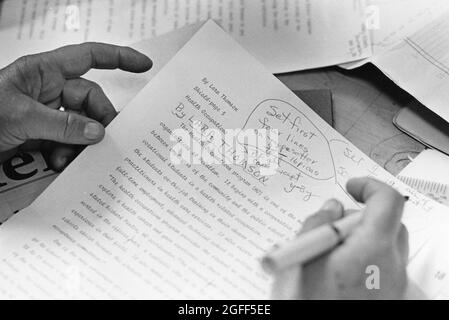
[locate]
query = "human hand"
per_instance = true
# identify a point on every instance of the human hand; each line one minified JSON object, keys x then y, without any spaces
{"x":35,"y":87}
{"x":380,"y":241}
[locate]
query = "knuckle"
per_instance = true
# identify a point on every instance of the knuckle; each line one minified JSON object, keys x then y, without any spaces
{"x":95,"y":87}
{"x":17,"y":118}
{"x":25,"y":63}
{"x":71,"y":124}
{"x":27,"y":71}
{"x":126,"y":49}
{"x":392,"y":194}
{"x":68,"y":125}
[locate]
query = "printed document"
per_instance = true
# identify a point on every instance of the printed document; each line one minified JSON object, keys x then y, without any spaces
{"x":126,"y":220}
{"x":285,"y":35}
{"x":410,"y":45}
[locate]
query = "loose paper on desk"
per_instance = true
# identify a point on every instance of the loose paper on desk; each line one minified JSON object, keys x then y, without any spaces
{"x":284,"y":35}
{"x":121,"y":87}
{"x":431,"y":266}
{"x":124,"y":221}
{"x":430,"y":165}
{"x":420,"y":65}
{"x":391,"y":21}
{"x":24,"y":178}
{"x":411,"y":46}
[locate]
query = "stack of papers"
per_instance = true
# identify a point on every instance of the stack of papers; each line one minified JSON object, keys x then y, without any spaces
{"x":411,"y":47}
{"x":135,"y":225}
{"x":404,"y":38}
{"x":120,"y":231}
{"x":285,"y":36}
{"x":432,"y":265}
{"x":429,"y":165}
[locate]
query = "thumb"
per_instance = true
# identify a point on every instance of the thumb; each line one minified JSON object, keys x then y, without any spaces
{"x":60,"y":126}
{"x":384,"y":206}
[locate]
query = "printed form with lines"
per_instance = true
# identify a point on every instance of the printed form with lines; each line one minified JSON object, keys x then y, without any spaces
{"x":420,"y":65}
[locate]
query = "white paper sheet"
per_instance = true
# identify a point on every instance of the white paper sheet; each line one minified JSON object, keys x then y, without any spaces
{"x":391,"y":21}
{"x":420,"y":65}
{"x":121,"y":87}
{"x":431,"y":264}
{"x":411,"y":46}
{"x":429,"y":165}
{"x":123,"y":222}
{"x":284,"y":35}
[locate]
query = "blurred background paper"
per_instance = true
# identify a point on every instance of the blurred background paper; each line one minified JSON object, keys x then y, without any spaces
{"x":284,"y":35}
{"x":410,"y":41}
{"x":391,"y":21}
{"x":429,"y":165}
{"x":420,"y":65}
{"x":121,"y":87}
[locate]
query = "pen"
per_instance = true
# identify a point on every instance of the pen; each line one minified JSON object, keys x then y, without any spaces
{"x":312,"y":243}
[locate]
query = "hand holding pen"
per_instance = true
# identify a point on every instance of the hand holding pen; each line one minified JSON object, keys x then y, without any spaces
{"x":363,"y":245}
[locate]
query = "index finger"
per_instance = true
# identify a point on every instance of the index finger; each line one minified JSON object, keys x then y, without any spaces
{"x":75,"y":60}
{"x":384,"y":205}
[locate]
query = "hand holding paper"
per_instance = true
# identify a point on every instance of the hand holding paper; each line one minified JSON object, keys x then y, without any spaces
{"x":33,"y":89}
{"x":136,"y":225}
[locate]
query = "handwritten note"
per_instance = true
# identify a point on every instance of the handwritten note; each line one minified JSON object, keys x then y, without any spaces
{"x":124,"y":221}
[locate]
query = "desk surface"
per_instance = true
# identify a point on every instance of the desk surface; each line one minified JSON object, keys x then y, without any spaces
{"x":365,"y":102}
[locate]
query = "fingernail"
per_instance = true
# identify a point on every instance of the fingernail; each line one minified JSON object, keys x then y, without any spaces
{"x":92,"y":130}
{"x":331,"y":205}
